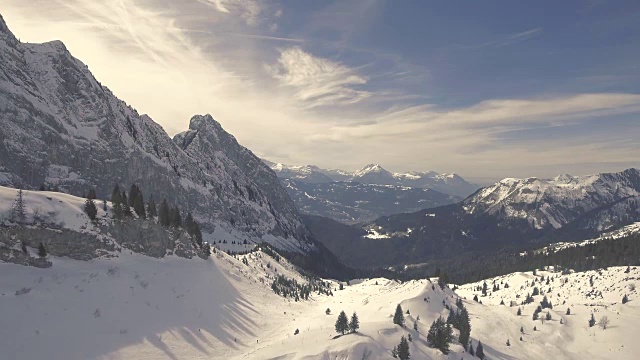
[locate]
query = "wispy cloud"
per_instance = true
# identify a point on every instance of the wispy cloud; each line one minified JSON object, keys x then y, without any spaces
{"x":250,"y":11}
{"x":318,"y":81}
{"x":173,"y":64}
{"x":526,"y":34}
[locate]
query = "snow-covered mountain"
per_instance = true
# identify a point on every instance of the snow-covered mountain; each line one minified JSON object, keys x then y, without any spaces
{"x":353,"y":202}
{"x":451,"y":184}
{"x":513,"y":213}
{"x":610,"y":199}
{"x":60,"y":127}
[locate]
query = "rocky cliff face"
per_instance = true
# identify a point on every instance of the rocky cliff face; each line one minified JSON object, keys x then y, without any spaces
{"x":60,"y":127}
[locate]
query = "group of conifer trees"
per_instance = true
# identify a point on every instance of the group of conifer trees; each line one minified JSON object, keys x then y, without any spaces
{"x":123,"y":203}
{"x":343,"y":325}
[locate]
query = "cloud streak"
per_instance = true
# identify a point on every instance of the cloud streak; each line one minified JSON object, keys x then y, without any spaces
{"x":291,"y":105}
{"x":318,"y":81}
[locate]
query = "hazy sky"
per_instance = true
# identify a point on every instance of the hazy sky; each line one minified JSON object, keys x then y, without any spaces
{"x":482,"y":88}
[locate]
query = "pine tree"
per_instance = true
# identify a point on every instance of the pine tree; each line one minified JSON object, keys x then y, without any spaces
{"x":90,"y":209}
{"x":42,"y":251}
{"x":354,"y":325}
{"x":519,"y":312}
{"x":175,"y":218}
{"x":116,"y":202}
{"x":188,"y":223}
{"x":104,"y":205}
{"x":91,"y":194}
{"x":394,"y":352}
{"x":342,"y":324}
{"x":464,"y":325}
{"x":480,"y":351}
{"x":403,"y":349}
{"x":24,"y":248}
{"x":163,"y":214}
{"x":484,"y":289}
{"x":138,"y":204}
{"x":508,"y":342}
{"x":415,"y":325}
{"x":548,"y":316}
{"x":625,"y":299}
{"x":592,"y":321}
{"x":521,"y":330}
{"x":398,"y":317}
{"x":568,"y":311}
{"x":151,"y":208}
{"x":471,"y":352}
{"x":18,"y":211}
{"x":440,"y":335}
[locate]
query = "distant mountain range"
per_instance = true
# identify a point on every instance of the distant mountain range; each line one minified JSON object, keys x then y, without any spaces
{"x":512,"y":212}
{"x":371,"y":192}
{"x":451,"y":183}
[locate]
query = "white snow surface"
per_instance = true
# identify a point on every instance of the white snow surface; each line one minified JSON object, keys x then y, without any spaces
{"x":574,"y":339}
{"x":53,"y":208}
{"x":139,"y":307}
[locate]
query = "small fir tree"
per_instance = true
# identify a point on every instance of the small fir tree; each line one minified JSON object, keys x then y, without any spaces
{"x":480,"y":351}
{"x":398,"y":317}
{"x":403,"y":349}
{"x":354,"y":324}
{"x":163,"y":214}
{"x":592,"y":321}
{"x":91,"y":194}
{"x":342,"y":324}
{"x":18,"y":211}
{"x":42,"y":251}
{"x":90,"y":209}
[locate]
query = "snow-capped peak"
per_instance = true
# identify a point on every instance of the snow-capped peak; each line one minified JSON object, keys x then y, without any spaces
{"x":370,"y":168}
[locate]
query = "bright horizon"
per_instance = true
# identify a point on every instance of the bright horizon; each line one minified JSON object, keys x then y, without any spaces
{"x":493,"y":91}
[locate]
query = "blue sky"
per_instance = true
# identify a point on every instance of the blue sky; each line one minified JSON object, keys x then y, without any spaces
{"x":488,"y":89}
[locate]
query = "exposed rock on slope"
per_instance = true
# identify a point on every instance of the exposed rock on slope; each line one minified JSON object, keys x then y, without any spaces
{"x":60,"y":127}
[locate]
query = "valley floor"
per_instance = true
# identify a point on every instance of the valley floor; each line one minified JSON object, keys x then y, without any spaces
{"x":137,"y":307}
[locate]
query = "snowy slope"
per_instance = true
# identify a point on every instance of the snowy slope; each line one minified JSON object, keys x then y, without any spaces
{"x":573,"y":339}
{"x":619,"y":233}
{"x":134,"y":306}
